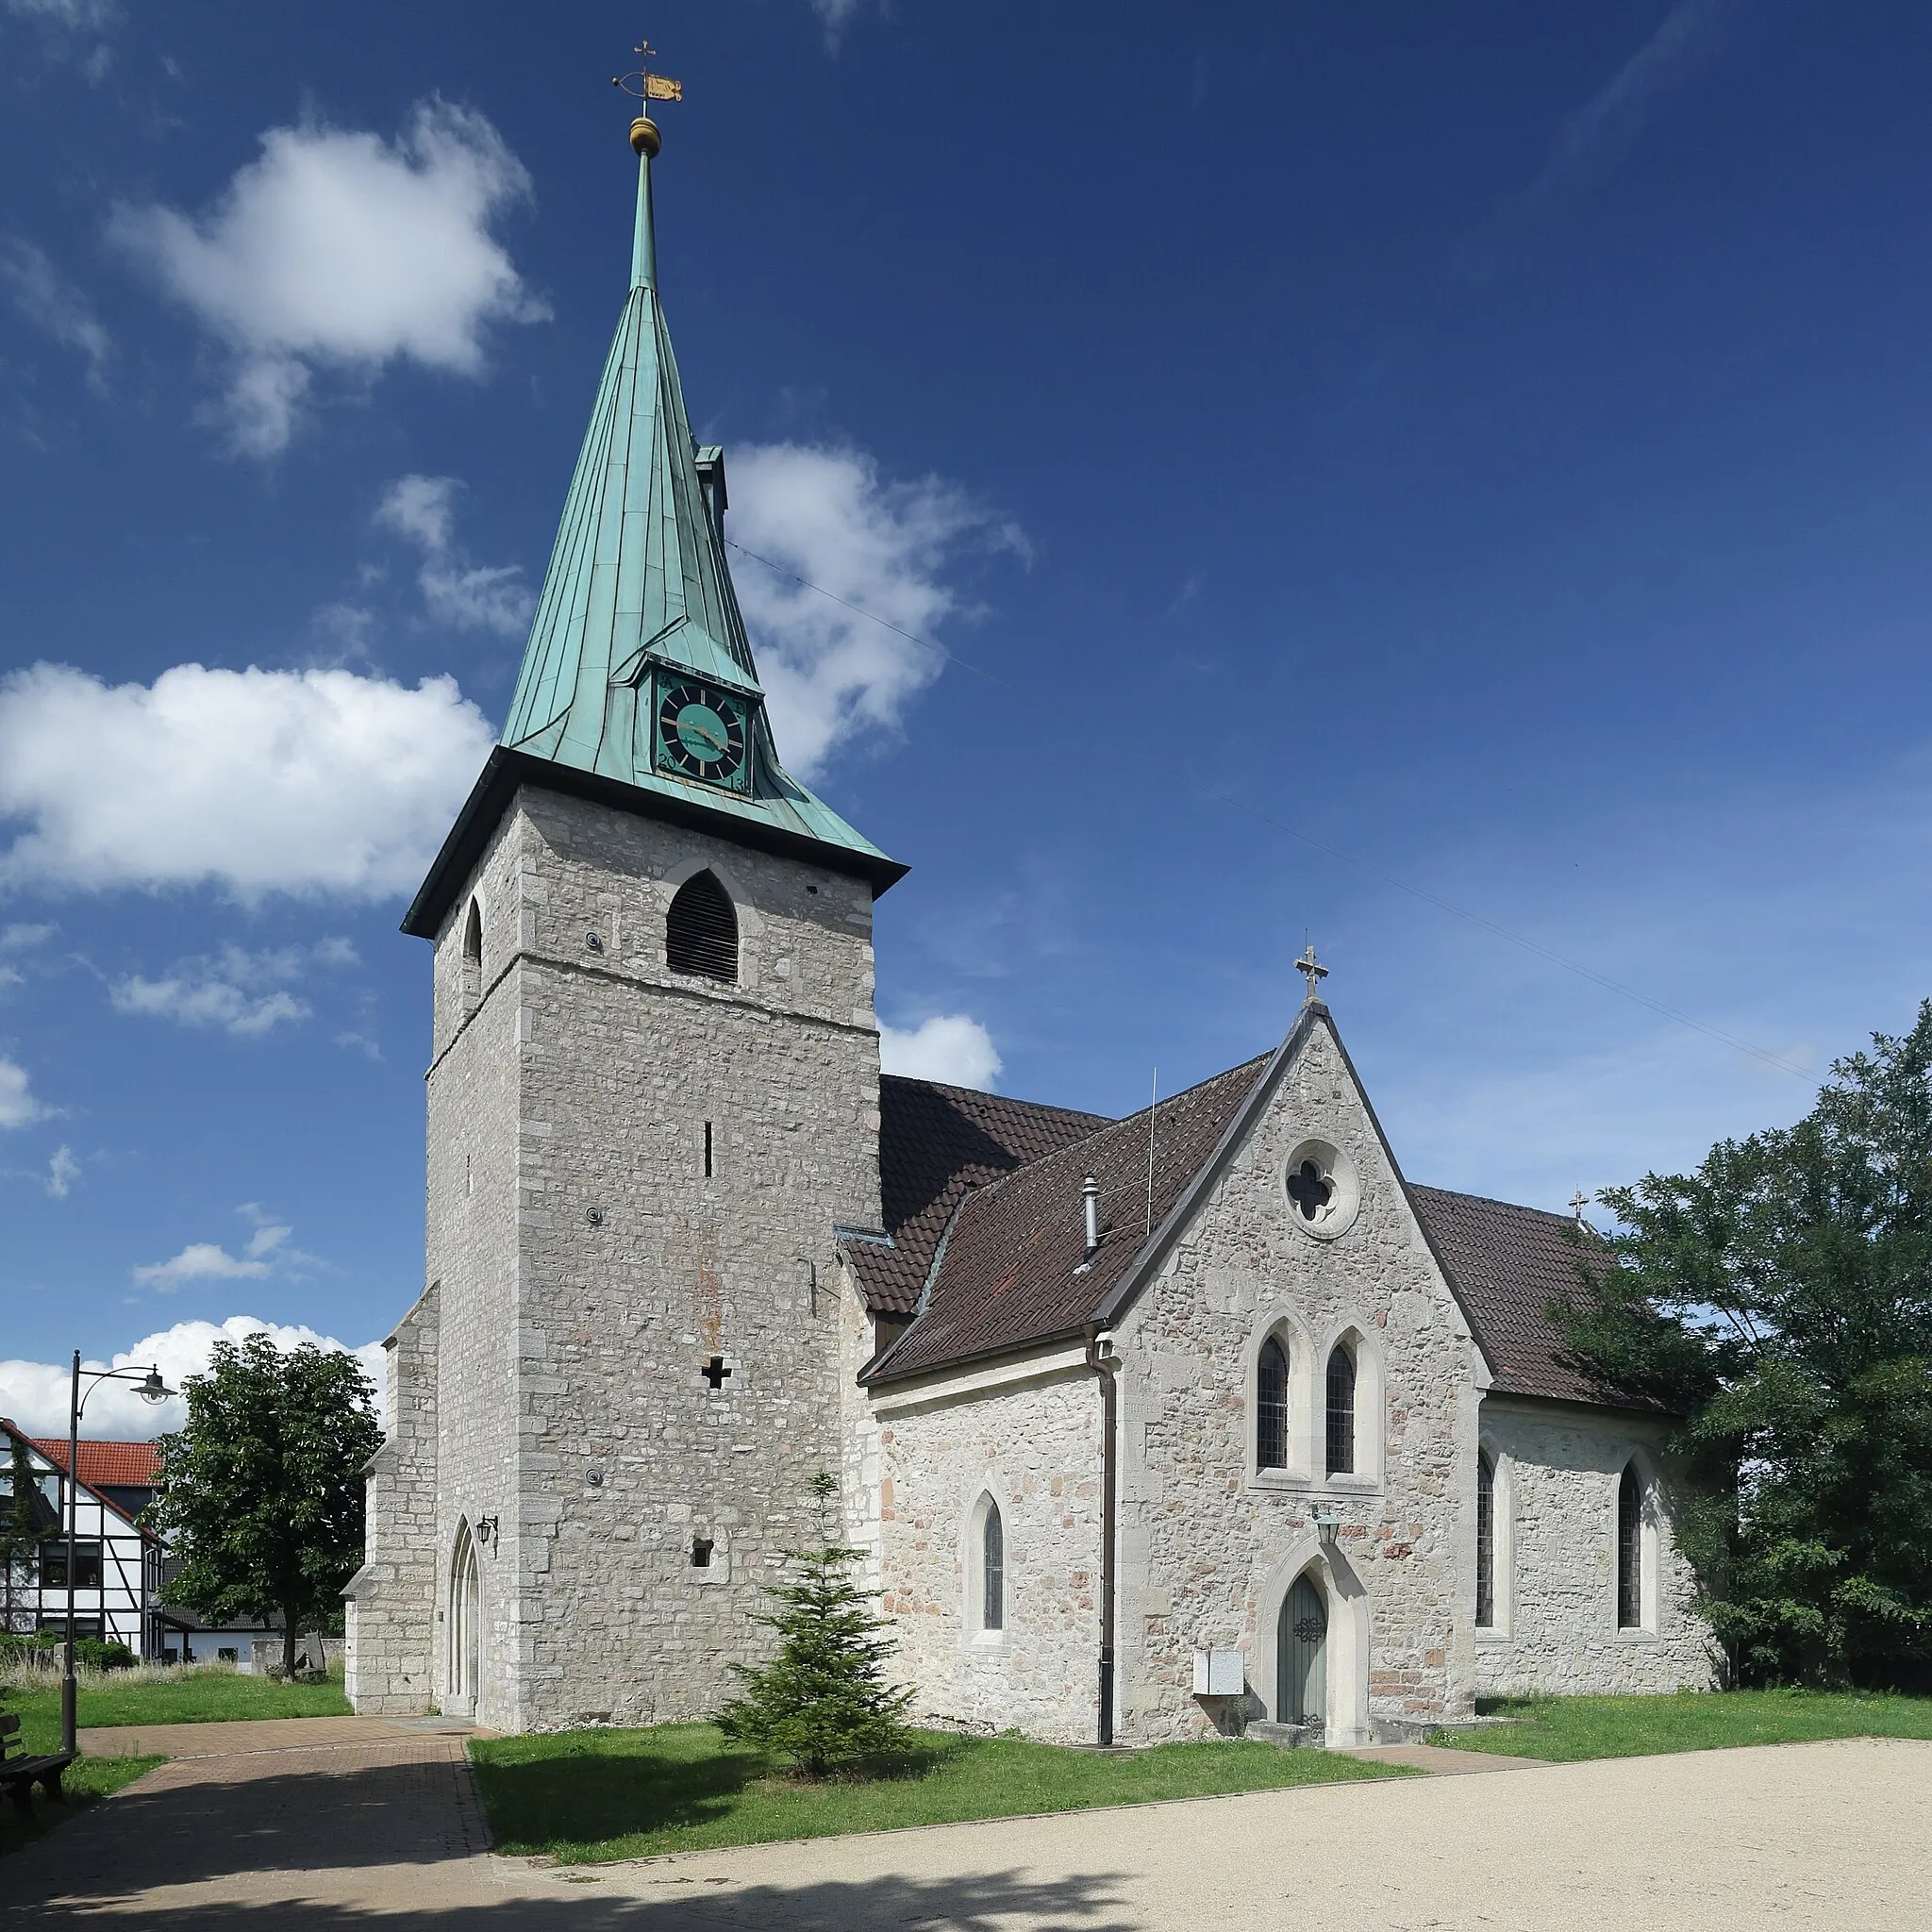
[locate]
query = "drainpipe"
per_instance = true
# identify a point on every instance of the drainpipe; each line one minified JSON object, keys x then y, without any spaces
{"x":1102,"y":1360}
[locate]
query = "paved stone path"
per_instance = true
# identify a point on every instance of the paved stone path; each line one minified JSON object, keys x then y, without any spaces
{"x":240,"y":1735}
{"x":1830,"y":1836}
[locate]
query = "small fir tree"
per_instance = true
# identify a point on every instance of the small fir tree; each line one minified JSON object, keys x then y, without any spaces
{"x":823,"y":1700}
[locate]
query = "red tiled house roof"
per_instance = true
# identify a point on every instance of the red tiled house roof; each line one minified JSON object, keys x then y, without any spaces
{"x":123,"y":1465}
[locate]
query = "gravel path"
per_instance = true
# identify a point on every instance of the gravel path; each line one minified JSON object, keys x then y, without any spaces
{"x":1833,"y":1836}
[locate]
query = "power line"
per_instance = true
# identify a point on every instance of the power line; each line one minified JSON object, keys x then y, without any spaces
{"x":1367,"y":871}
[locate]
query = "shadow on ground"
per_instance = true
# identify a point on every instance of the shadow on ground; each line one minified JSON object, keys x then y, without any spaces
{"x":594,"y":1794}
{"x":986,"y":1902}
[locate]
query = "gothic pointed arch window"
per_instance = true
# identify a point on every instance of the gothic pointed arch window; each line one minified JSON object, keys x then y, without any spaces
{"x":1485,"y":1541}
{"x":992,"y":1570}
{"x":1340,"y":1419}
{"x":473,"y":952}
{"x":700,"y":932}
{"x":1271,"y":1405}
{"x":1630,"y":1550}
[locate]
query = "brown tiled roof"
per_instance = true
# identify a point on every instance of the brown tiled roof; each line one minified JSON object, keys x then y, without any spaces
{"x":1010,"y":1275}
{"x":935,"y":1142}
{"x":122,"y":1465}
{"x":1506,"y":1265}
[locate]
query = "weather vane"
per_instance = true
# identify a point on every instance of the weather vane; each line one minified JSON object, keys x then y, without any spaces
{"x":642,"y":85}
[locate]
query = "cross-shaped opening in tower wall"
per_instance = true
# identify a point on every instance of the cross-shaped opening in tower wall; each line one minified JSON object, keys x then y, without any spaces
{"x":714,"y":1372}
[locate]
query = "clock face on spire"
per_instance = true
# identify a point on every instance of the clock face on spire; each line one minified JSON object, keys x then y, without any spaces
{"x":702,"y":733}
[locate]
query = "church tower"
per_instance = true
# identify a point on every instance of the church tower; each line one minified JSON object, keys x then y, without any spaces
{"x":653,"y":1097}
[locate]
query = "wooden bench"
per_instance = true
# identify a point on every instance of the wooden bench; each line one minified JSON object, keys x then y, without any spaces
{"x":20,"y":1774}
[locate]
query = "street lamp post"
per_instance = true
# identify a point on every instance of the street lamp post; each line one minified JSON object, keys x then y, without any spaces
{"x":151,"y":1389}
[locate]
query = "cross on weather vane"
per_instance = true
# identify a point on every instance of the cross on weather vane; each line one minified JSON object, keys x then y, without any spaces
{"x":647,"y":87}
{"x":1311,"y":969}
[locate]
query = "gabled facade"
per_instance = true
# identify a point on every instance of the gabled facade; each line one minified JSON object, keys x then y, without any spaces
{"x":117,"y":1564}
{"x":1288,"y":1428}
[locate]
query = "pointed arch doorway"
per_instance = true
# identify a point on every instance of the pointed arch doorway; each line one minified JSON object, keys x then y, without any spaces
{"x":465,"y":1626}
{"x":1301,"y":1655}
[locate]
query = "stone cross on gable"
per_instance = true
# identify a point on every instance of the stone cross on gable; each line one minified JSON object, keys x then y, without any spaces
{"x":1313,"y":969}
{"x":1579,"y":1202}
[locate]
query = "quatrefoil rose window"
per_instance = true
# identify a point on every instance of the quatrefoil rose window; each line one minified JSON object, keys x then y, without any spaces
{"x":1320,"y":1183}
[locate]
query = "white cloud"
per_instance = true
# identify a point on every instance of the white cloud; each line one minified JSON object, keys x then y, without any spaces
{"x":827,"y":515}
{"x":19,"y":939}
{"x":305,"y":782}
{"x":35,"y":1394}
{"x":242,"y":992}
{"x":948,"y":1047}
{"x":18,"y":1107}
{"x":337,"y":249}
{"x":63,"y":1172}
{"x":266,"y":1252}
{"x":835,"y":16}
{"x":199,"y":1261}
{"x":78,"y":16}
{"x":52,"y":303}
{"x":421,"y":510}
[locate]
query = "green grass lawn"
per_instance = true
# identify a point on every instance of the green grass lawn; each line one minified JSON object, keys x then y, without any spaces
{"x":584,"y":1796}
{"x":199,"y":1698}
{"x":1566,"y":1728}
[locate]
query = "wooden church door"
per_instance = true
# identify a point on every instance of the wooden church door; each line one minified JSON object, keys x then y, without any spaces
{"x":1301,"y":1656}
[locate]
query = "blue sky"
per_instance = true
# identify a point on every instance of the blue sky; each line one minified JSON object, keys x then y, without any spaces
{"x":1393,"y":465}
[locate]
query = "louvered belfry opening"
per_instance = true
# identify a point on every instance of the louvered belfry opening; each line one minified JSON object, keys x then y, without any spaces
{"x":701,"y":935}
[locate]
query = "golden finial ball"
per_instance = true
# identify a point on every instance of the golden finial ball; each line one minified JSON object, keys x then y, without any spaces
{"x":644,"y":138}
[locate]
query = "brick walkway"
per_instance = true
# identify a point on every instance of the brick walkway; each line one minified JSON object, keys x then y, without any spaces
{"x":246,"y":1735}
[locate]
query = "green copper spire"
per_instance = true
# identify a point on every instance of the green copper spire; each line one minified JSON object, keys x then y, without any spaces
{"x":637,"y":614}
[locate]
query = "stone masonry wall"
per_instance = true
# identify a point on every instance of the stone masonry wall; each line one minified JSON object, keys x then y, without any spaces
{"x":1206,"y":1538}
{"x":391,"y":1644}
{"x":1557,"y":1471}
{"x":607,"y":1269}
{"x":1036,"y":1449}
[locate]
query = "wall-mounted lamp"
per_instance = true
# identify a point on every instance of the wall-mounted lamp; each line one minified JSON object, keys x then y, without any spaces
{"x":486,"y":1531}
{"x":1327,"y":1525}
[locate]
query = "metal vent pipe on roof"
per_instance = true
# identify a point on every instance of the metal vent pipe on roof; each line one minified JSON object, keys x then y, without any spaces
{"x":1089,"y":1200}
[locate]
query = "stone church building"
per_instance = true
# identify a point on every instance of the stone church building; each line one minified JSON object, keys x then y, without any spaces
{"x":1149,"y":1428}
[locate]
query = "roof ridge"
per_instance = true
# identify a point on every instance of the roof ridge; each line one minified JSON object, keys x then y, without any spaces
{"x":1001,"y":1099}
{"x":1493,"y":1201}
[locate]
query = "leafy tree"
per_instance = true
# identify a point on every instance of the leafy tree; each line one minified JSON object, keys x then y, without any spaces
{"x":823,"y":1700}
{"x":1780,"y":1300}
{"x":262,"y":1493}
